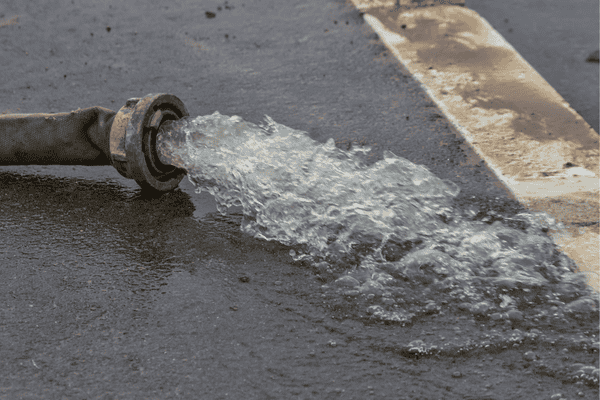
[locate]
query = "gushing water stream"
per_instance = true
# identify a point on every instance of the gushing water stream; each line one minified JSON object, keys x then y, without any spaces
{"x":386,"y":234}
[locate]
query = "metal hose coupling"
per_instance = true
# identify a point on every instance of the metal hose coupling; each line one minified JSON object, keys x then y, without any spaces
{"x":133,"y":141}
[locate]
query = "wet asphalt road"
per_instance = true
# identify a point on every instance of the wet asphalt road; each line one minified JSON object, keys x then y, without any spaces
{"x":108,"y":293}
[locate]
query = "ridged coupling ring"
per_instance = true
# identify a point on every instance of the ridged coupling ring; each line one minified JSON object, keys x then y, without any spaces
{"x":133,"y":141}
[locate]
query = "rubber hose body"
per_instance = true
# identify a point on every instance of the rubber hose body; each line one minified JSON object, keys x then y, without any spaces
{"x":76,"y":138}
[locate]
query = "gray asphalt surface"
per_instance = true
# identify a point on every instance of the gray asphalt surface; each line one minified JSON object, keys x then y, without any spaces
{"x":108,"y":293}
{"x":555,"y":37}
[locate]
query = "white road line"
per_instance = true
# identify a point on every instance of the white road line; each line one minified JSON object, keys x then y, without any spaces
{"x":544,"y":153}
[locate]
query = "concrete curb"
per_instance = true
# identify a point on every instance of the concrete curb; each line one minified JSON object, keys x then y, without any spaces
{"x":542,"y":151}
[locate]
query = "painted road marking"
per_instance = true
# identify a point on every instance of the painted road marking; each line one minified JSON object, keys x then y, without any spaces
{"x":544,"y":153}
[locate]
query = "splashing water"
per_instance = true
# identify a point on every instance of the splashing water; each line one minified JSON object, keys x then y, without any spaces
{"x":300,"y":192}
{"x":387,"y":233}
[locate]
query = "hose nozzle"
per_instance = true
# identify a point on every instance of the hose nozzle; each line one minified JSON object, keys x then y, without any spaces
{"x":133,"y":141}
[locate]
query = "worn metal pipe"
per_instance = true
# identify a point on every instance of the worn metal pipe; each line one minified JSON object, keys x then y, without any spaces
{"x":125,"y":139}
